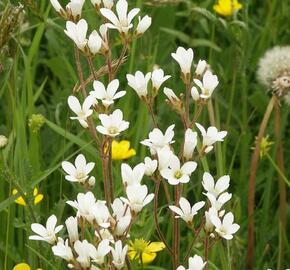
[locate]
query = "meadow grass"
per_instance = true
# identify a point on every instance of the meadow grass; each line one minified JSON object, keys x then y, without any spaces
{"x":37,"y":74}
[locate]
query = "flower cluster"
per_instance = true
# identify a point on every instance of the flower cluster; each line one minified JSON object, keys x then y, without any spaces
{"x":98,"y":235}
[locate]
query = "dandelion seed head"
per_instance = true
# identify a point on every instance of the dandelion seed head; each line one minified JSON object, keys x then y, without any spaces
{"x":274,"y":70}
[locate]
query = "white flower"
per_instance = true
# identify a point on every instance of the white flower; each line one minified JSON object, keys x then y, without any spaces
{"x":186,"y":212}
{"x":107,"y":96}
{"x":138,"y":197}
{"x":122,"y":216}
{"x":190,"y":143}
{"x":184,"y":58}
{"x":57,"y":6}
{"x":63,"y":250}
{"x":104,"y":234}
{"x":95,"y":42}
{"x":215,"y":188}
{"x":157,"y":140}
{"x":3,"y":141}
{"x":72,"y":228}
{"x":47,"y":233}
{"x":113,"y":124}
{"x":84,"y":249}
{"x":77,"y":32}
{"x":164,"y":154}
{"x":194,"y":263}
{"x":210,"y":136}
{"x":207,"y":86}
{"x":101,"y":214}
{"x":108,"y":3}
{"x":132,"y":177}
{"x":201,"y":67}
{"x":176,"y":174}
{"x":208,"y":223}
{"x":226,"y":228}
{"x":82,"y":112}
{"x":218,"y":203}
{"x":78,"y":172}
{"x":150,"y":166}
{"x":158,"y":78}
{"x":98,"y":255}
{"x":121,"y":22}
{"x":170,"y":95}
{"x":194,"y":93}
{"x":139,"y":82}
{"x":84,"y":204}
{"x":143,"y":25}
{"x":119,"y":254}
{"x":74,"y":7}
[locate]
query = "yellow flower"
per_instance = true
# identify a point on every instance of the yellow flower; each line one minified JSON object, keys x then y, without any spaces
{"x":23,"y":266}
{"x":144,"y":249}
{"x":121,"y":150}
{"x":265,"y":146}
{"x":227,"y":7}
{"x":37,"y":198}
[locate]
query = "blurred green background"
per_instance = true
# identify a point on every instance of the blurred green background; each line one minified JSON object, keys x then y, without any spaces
{"x":37,"y":74}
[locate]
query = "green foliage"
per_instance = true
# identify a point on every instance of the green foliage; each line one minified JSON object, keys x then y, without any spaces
{"x":37,"y":73}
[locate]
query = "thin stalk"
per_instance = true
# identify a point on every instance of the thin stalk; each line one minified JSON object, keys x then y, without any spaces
{"x":151,"y":111}
{"x":119,"y":61}
{"x":251,"y":191}
{"x":176,"y":230}
{"x":282,"y":187}
{"x":206,"y":250}
{"x":159,"y":232}
{"x":91,"y":66}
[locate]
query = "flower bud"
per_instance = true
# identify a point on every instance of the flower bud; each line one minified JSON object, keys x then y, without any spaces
{"x":94,"y":42}
{"x":143,"y":25}
{"x":72,"y":228}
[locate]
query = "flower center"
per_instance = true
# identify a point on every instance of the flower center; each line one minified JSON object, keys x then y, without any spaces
{"x":113,"y":130}
{"x":178,"y":174}
{"x":80,"y":175}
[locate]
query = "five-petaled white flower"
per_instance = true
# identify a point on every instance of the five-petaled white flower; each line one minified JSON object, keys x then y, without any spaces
{"x":190,"y":142}
{"x":150,"y":166}
{"x":82,"y":112}
{"x":225,"y":228}
{"x":132,"y":176}
{"x":215,"y":188}
{"x":77,"y":32}
{"x":194,"y":263}
{"x":95,"y":42}
{"x":139,"y":82}
{"x":119,"y":254}
{"x":112,"y":124}
{"x":143,"y":24}
{"x":207,"y":86}
{"x":157,"y":140}
{"x":74,"y":8}
{"x":138,"y":197}
{"x":121,"y":22}
{"x":210,"y":136}
{"x":101,"y":214}
{"x":84,"y":204}
{"x":185,"y":211}
{"x":175,"y":173}
{"x":79,"y":172}
{"x":107,"y":96}
{"x":84,"y":250}
{"x":184,"y":58}
{"x":63,"y":250}
{"x":47,"y":233}
{"x":158,"y":78}
{"x":218,"y":202}
{"x":121,"y":215}
{"x":98,"y":255}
